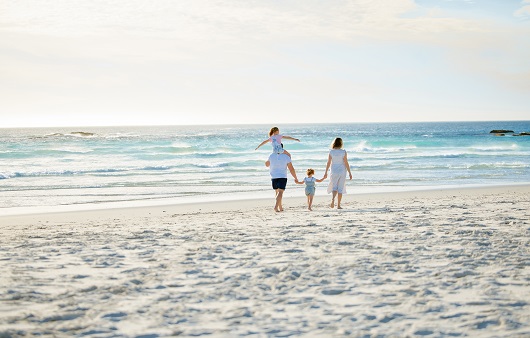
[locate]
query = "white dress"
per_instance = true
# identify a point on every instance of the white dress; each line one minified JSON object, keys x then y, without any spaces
{"x":337,"y":180}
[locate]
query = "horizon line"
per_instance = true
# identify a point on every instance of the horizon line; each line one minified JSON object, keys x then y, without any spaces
{"x":251,"y":124}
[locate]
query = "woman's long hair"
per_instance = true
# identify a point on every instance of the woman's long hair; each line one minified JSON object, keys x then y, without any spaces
{"x":337,"y":143}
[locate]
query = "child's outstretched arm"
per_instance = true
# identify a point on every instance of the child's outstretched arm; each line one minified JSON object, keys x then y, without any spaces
{"x":299,"y":182}
{"x":321,"y":180}
{"x":290,"y":138}
{"x":262,"y":143}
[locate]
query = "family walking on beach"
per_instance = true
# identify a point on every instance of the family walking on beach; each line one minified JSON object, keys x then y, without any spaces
{"x":280,"y":161}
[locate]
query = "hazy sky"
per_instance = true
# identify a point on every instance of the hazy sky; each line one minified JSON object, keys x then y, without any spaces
{"x":130,"y":62}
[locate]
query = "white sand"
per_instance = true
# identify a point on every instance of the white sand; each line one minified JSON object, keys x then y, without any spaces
{"x":437,"y":264}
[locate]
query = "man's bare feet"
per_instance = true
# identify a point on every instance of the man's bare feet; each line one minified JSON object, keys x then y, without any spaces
{"x":309,"y":208}
{"x":339,"y":207}
{"x":332,"y":205}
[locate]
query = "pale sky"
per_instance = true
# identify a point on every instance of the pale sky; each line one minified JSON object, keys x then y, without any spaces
{"x":136,"y":62}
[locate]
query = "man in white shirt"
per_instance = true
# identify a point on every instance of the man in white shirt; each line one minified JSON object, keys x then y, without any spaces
{"x":278,"y":165}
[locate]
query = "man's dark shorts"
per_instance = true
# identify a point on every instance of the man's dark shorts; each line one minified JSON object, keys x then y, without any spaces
{"x":279,"y":183}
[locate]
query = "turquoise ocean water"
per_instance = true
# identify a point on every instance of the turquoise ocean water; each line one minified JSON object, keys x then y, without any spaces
{"x":78,"y":167}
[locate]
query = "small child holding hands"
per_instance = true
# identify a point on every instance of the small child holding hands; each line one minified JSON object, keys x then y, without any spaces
{"x":276,"y":139}
{"x":310,"y":188}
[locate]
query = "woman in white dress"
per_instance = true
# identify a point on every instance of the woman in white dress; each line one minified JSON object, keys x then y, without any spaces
{"x":338,"y":161}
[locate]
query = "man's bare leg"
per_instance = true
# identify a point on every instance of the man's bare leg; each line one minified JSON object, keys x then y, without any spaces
{"x":279,"y":194}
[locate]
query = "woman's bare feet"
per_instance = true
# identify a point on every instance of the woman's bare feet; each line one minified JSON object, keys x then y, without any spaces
{"x":332,"y":205}
{"x":339,"y":207}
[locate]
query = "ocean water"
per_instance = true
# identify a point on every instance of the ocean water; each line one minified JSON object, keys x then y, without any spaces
{"x":50,"y":168}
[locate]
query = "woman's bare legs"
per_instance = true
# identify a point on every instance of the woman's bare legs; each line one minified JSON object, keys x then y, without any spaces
{"x":332,"y":205}
{"x":339,"y":198}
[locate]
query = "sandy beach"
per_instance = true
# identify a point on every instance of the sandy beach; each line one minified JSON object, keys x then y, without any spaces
{"x":443,"y":263}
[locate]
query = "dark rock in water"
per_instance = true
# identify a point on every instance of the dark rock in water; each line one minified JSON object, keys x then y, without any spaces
{"x":524,"y":133}
{"x":501,"y":131}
